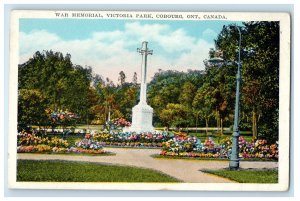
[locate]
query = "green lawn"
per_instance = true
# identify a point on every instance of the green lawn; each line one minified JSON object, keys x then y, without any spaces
{"x":217,"y":138}
{"x":206,"y":159}
{"x":65,"y":171}
{"x":72,"y":139}
{"x":187,"y":158}
{"x":248,"y":176}
{"x":94,"y":127}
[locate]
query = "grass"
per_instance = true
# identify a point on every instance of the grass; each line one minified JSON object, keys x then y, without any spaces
{"x":66,"y":171}
{"x":188,"y":158}
{"x":72,"y":139}
{"x":217,"y":138}
{"x":210,"y":159}
{"x":85,"y":126}
{"x":247,"y":176}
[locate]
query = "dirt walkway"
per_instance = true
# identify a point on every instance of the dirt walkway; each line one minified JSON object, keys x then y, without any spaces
{"x":184,"y":170}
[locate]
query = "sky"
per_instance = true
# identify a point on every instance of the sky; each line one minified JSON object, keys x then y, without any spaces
{"x":110,"y":46}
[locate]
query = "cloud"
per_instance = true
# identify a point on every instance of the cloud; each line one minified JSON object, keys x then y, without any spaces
{"x":209,"y":34}
{"x":35,"y":40}
{"x":195,"y":57}
{"x":112,"y":51}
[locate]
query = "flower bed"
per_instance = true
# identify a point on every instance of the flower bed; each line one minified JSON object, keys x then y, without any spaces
{"x":33,"y":148}
{"x":185,"y":146}
{"x":128,"y":139}
{"x":28,"y":143}
{"x":26,"y":139}
{"x":179,"y":145}
{"x":48,"y":149}
{"x":133,"y":144}
{"x":121,"y":122}
{"x":182,"y":143}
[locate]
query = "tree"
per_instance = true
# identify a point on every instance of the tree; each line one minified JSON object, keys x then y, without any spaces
{"x":186,"y":97}
{"x":260,"y":71}
{"x":79,"y":79}
{"x":203,"y":104}
{"x":187,"y":94}
{"x":219,"y":84}
{"x":174,"y":115}
{"x":127,"y":98}
{"x":163,"y":89}
{"x":122,"y":77}
{"x":252,"y":96}
{"x":107,"y":94}
{"x":93,"y":102}
{"x":117,"y":114}
{"x":134,"y":79}
{"x":59,"y":80}
{"x":263,"y":66}
{"x":31,"y":107}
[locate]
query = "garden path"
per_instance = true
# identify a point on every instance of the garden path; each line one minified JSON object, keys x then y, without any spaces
{"x":184,"y":170}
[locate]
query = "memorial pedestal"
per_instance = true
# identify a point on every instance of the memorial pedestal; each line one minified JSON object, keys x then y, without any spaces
{"x":142,"y":118}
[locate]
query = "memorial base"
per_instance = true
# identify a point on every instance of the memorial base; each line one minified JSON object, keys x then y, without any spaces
{"x":142,"y":118}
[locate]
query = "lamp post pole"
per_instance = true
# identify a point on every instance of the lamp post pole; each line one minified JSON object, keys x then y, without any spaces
{"x":234,"y":157}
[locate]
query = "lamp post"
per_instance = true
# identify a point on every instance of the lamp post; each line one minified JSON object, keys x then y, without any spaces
{"x":234,"y":157}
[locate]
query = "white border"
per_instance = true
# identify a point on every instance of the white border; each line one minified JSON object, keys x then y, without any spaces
{"x":284,"y":19}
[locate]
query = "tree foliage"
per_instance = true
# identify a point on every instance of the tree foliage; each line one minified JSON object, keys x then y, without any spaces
{"x":260,"y":72}
{"x":31,"y":107}
{"x":122,"y":77}
{"x":54,"y":79}
{"x":174,"y":115}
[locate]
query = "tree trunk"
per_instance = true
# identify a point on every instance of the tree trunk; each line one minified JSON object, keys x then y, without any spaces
{"x":218,"y":120}
{"x":221,"y":126}
{"x":206,"y":124}
{"x":197,"y":123}
{"x":254,"y":125}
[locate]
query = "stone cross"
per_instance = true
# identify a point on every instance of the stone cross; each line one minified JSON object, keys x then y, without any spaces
{"x":142,"y":113}
{"x":144,"y":51}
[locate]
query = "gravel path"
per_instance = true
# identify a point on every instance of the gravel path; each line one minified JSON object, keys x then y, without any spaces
{"x":184,"y":170}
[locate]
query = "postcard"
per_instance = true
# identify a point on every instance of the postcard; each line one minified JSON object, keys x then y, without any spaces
{"x":119,"y":100}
